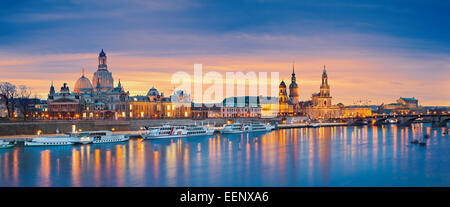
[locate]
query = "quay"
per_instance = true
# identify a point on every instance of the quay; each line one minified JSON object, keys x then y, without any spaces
{"x":138,"y":133}
{"x":29,"y":137}
{"x":304,"y":125}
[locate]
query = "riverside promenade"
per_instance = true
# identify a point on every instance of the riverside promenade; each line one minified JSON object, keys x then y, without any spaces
{"x":51,"y":126}
{"x":24,"y":131}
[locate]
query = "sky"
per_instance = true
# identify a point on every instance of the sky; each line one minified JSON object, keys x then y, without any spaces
{"x":373,"y":50}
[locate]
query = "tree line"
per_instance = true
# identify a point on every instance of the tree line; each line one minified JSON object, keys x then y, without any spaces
{"x":14,"y":97}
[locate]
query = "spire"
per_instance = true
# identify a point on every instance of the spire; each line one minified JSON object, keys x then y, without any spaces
{"x":293,"y":73}
{"x":324,"y":69}
{"x":119,"y":85}
{"x":52,"y":89}
{"x":82,"y":72}
{"x":293,"y":79}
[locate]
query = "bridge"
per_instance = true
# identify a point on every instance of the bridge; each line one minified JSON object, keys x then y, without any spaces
{"x":439,"y":120}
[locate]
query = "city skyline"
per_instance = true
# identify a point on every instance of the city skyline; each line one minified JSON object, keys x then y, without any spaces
{"x":402,"y":54}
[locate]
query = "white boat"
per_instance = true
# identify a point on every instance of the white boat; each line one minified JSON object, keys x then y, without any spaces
{"x":50,"y":141}
{"x":392,"y":121}
{"x":315,"y":125}
{"x":4,"y":145}
{"x":96,"y":137}
{"x":169,"y":131}
{"x":242,"y":128}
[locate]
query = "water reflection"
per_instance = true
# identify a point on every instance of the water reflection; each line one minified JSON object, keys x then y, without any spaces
{"x":333,"y":156}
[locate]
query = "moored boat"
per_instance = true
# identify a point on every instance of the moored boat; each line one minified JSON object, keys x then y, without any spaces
{"x":96,"y":137}
{"x":4,"y":145}
{"x":243,"y":128}
{"x":315,"y":125}
{"x":169,"y":131}
{"x":50,"y":141}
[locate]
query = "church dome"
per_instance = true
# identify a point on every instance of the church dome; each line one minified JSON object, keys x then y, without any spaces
{"x":293,"y":85}
{"x":153,"y":92}
{"x":83,"y":84}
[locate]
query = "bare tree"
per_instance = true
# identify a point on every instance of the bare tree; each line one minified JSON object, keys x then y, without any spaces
{"x":7,"y":94}
{"x":24,"y":101}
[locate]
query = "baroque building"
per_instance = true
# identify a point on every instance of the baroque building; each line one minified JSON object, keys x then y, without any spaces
{"x":289,"y":105}
{"x":102,"y":99}
{"x":322,"y":107}
{"x":244,"y":106}
{"x":293,"y":89}
{"x":155,"y":105}
{"x":97,"y":99}
{"x":64,"y":104}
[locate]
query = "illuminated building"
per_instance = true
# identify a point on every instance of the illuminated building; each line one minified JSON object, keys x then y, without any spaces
{"x":99,"y":98}
{"x":64,"y":104}
{"x":285,"y":108}
{"x":288,"y":106}
{"x":269,"y":106}
{"x":293,"y":89}
{"x":155,"y":105}
{"x":322,"y":107}
{"x":356,"y":111}
{"x":204,"y":111}
{"x":403,"y":106}
{"x":246,"y":106}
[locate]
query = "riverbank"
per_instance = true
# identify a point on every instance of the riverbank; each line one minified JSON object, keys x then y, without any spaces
{"x":302,"y":125}
{"x":51,"y":126}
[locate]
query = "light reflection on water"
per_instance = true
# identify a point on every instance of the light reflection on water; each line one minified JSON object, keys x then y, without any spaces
{"x":328,"y":156}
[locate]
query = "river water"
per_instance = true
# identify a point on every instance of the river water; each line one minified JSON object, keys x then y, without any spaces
{"x":327,"y":156}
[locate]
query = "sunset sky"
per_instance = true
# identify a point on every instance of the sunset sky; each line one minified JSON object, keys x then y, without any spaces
{"x":376,"y":50}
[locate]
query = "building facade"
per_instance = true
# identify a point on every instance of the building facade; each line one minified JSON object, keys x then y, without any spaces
{"x":322,"y":107}
{"x":246,"y":106}
{"x":289,"y":105}
{"x":155,"y":105}
{"x":64,"y":104}
{"x":356,"y":111}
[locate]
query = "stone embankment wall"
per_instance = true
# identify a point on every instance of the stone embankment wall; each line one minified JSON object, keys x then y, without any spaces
{"x":50,"y":127}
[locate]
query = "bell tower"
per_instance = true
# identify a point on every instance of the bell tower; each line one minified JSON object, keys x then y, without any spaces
{"x":324,"y":95}
{"x":282,"y":95}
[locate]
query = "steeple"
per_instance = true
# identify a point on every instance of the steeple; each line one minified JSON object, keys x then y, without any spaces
{"x":52,"y":89}
{"x":82,"y":72}
{"x":324,"y":76}
{"x":293,"y":80}
{"x":324,"y":88}
{"x":293,"y":73}
{"x":119,"y":85}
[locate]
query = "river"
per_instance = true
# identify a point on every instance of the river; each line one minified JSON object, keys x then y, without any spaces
{"x":326,"y":156}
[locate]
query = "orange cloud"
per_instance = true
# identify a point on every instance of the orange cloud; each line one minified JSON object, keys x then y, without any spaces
{"x":379,"y":79}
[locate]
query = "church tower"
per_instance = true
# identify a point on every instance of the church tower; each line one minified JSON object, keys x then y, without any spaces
{"x":282,"y":95}
{"x":293,"y":88}
{"x":324,"y":95}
